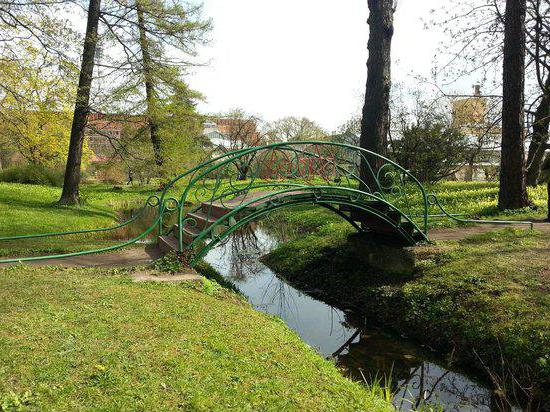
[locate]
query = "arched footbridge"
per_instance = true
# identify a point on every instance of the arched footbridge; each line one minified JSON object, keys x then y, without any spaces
{"x":201,"y":207}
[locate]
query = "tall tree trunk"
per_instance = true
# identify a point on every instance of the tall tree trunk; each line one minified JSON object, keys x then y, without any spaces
{"x":537,"y":148}
{"x":150,"y":94}
{"x":71,"y":184}
{"x":513,"y":191}
{"x":375,"y":121}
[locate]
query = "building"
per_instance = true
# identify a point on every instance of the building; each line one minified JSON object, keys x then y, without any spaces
{"x":231,"y":133}
{"x":477,"y":117}
{"x":102,"y":130}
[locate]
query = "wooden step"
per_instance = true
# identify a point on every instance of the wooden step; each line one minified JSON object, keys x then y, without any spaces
{"x":201,"y":219}
{"x":188,"y":234}
{"x":167,"y":244}
{"x":214,"y":210}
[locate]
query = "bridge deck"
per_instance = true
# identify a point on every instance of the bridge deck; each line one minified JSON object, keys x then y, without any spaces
{"x":388,"y":225}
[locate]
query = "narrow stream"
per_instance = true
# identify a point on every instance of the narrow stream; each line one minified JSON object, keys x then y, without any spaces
{"x":370,"y":353}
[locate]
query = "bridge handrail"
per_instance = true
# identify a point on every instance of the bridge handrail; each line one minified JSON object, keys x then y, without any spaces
{"x":273,"y":198}
{"x":160,"y":202}
{"x":167,"y":204}
{"x":296,"y":147}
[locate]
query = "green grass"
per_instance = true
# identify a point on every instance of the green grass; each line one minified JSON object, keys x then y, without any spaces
{"x":32,"y":209}
{"x":480,"y":298}
{"x":480,"y":199}
{"x":82,"y":339}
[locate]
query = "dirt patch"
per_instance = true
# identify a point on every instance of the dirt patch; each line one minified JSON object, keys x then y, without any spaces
{"x":125,"y":257}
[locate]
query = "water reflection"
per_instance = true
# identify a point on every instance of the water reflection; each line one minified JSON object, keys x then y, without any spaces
{"x":366,"y":353}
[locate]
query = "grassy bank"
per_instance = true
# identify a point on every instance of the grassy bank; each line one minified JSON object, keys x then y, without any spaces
{"x":86,"y":339}
{"x":32,"y":209}
{"x":482,"y":301}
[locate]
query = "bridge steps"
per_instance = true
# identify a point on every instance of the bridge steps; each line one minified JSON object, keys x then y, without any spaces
{"x":202,"y":220}
{"x":167,"y":244}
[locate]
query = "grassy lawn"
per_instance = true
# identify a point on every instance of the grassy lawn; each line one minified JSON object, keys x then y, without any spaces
{"x":31,"y":209}
{"x":479,"y":199}
{"x":479,"y":301}
{"x":76,"y":339}
{"x":91,"y":339}
{"x":28,"y":209}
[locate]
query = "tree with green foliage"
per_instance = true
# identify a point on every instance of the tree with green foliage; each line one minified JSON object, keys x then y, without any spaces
{"x":183,"y":146}
{"x":37,"y":75}
{"x":292,"y":129}
{"x":36,"y":116}
{"x":431,"y":149}
{"x":152,"y":44}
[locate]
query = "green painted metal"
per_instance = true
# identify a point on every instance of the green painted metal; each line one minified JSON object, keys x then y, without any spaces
{"x":327,"y":174}
{"x":434,"y":201}
{"x":322,"y":196}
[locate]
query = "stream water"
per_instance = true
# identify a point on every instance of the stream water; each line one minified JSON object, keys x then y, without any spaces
{"x":366,"y":353}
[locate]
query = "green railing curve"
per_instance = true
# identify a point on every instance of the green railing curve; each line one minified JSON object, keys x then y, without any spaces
{"x":249,"y":183}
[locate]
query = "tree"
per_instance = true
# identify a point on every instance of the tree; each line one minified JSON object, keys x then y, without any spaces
{"x":39,"y":24}
{"x":36,"y":75}
{"x":426,"y":139}
{"x":239,"y":130}
{"x":539,"y":139}
{"x":36,"y":116}
{"x":348,"y":132}
{"x":475,"y":31}
{"x":431,"y":149}
{"x":131,"y":153}
{"x":478,"y":117}
{"x":538,"y":34}
{"x":180,"y":130}
{"x":375,"y":122}
{"x":70,"y":194}
{"x":513,"y":192}
{"x":150,"y":92}
{"x":295,"y":129}
{"x":153,"y":42}
{"x":545,"y":174}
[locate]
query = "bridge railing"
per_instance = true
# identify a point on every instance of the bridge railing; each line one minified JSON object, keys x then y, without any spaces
{"x":301,"y":165}
{"x":277,"y":167}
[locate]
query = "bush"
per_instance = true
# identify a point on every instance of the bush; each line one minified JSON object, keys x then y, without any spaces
{"x":431,"y":149}
{"x":32,"y":174}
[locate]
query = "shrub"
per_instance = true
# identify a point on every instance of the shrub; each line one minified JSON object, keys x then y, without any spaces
{"x":431,"y":150}
{"x":32,"y":174}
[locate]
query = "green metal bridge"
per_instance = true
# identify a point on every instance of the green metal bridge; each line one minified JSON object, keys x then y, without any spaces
{"x":375,"y":195}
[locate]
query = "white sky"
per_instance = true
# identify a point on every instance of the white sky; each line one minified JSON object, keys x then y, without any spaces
{"x":278,"y":58}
